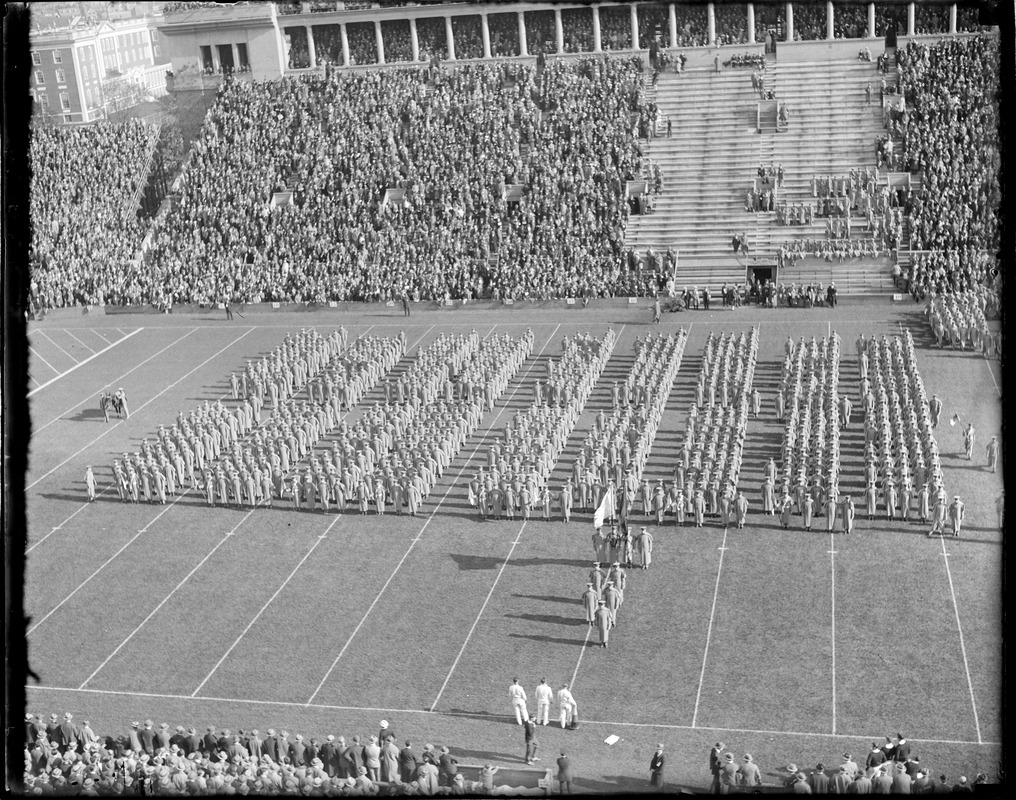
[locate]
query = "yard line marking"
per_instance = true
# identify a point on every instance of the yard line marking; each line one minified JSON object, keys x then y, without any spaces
{"x":33,"y":380}
{"x":477,"y":620}
{"x":221,"y":542}
{"x":585,"y":646}
{"x":462,"y":471}
{"x":832,"y":599}
{"x":262,"y":611}
{"x":143,"y":405}
{"x":58,"y":347}
{"x":107,"y":562}
{"x":44,"y":361}
{"x":72,"y":516}
{"x":119,"y":331}
{"x":709,"y":630}
{"x":85,"y":361}
{"x":76,"y":339}
{"x":389,"y":710}
{"x":96,"y":332}
{"x":963,"y":648}
{"x":991,"y":372}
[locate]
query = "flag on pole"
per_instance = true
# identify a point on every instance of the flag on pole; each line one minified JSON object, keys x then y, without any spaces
{"x":605,"y":510}
{"x":623,"y":513}
{"x":955,"y":419}
{"x":472,"y":495}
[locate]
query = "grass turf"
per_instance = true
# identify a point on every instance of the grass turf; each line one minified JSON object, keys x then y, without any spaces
{"x":384,"y":614}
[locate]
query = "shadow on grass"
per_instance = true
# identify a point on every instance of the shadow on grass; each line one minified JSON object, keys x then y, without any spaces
{"x":489,"y":716}
{"x":90,"y":415}
{"x":467,"y":562}
{"x":550,"y":619}
{"x":551,"y":639}
{"x":485,"y":755}
{"x":549,"y":598}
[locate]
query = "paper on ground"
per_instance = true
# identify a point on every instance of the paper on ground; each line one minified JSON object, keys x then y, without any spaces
{"x":612,"y":739}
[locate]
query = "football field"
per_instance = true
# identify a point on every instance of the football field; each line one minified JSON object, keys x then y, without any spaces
{"x":790,"y":645}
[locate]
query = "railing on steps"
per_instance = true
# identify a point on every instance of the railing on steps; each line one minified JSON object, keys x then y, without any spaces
{"x":132,"y":206}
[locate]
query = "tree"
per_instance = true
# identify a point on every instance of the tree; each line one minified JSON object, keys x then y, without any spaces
{"x":120,"y":93}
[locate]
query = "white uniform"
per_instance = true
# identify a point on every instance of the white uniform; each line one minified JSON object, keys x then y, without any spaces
{"x":566,"y":704}
{"x":544,"y":696}
{"x":518,"y":698}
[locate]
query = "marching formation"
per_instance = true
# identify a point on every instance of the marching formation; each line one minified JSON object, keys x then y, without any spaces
{"x":900,"y":451}
{"x":715,"y":431}
{"x":519,"y":464}
{"x":213,"y":432}
{"x":811,"y":436}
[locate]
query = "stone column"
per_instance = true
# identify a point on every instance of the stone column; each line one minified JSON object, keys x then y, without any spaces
{"x":523,"y":44}
{"x":310,"y":47}
{"x":790,"y":22}
{"x":751,"y":23}
{"x":910,"y":19}
{"x":711,"y":24}
{"x":380,"y":42}
{"x":345,"y":46}
{"x":952,"y":20}
{"x":597,"y":44}
{"x":830,"y":26}
{"x":672,"y":20}
{"x":558,"y":31}
{"x":634,"y":27}
{"x":871,"y":20}
{"x":236,"y":58}
{"x":414,"y":39}
{"x":450,"y":36}
{"x":485,"y":31}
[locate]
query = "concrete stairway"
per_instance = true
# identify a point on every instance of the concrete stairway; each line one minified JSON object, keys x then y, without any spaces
{"x":714,"y":153}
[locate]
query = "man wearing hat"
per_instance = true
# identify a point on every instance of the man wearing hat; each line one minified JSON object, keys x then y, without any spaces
{"x":728,"y":774}
{"x":956,"y":515}
{"x":147,"y":737}
{"x":545,"y":696}
{"x":603,"y":622}
{"x":90,"y":483}
{"x":407,"y":763}
{"x":902,"y":783}
{"x":590,"y":600}
{"x":645,"y":541}
{"x":715,"y":759}
{"x":749,"y":775}
{"x":531,"y":743}
{"x":567,"y":706}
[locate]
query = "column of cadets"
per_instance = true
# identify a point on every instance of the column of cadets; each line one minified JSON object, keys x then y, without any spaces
{"x":519,"y":464}
{"x":293,"y":430}
{"x":392,"y":457}
{"x":962,"y":318}
{"x":622,"y":442}
{"x":900,"y":451}
{"x":809,"y":403}
{"x":715,"y":431}
{"x":614,"y":452}
{"x":199,"y":439}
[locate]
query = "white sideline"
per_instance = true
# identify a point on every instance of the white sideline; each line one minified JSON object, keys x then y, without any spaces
{"x":389,"y":710}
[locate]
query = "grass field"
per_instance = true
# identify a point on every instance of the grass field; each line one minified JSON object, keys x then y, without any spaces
{"x":788,"y":645}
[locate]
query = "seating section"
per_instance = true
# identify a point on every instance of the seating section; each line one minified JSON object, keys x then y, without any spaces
{"x":339,"y":141}
{"x":84,"y":231}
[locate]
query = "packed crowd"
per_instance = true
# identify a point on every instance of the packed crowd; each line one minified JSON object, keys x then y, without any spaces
{"x":954,"y":271}
{"x":451,"y":148}
{"x":850,"y":21}
{"x":961,"y":318}
{"x":810,"y":21}
{"x":504,"y":34}
{"x":742,"y":60}
{"x":397,"y":40}
{"x":467,"y":32}
{"x":889,"y":768}
{"x":63,"y":757}
{"x":85,"y":235}
{"x":520,"y":463}
{"x":828,"y":249}
{"x":931,"y":18}
{"x":902,"y":466}
{"x":950,"y":134}
{"x":541,"y":32}
{"x":768,"y":16}
{"x":809,"y":404}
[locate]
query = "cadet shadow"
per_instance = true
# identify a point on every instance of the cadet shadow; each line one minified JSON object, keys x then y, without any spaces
{"x":542,"y":562}
{"x":550,"y":619}
{"x":551,"y":639}
{"x":90,"y":415}
{"x":615,"y":784}
{"x":549,"y":598}
{"x":476,"y":562}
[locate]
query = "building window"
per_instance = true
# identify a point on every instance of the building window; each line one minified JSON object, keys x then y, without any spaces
{"x":68,"y":118}
{"x":158,"y":51}
{"x":37,"y":59}
{"x":43,"y":100}
{"x":88,"y":98}
{"x":57,"y":58}
{"x":40,"y":79}
{"x":61,"y":76}
{"x":65,"y":101}
{"x":155,"y":35}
